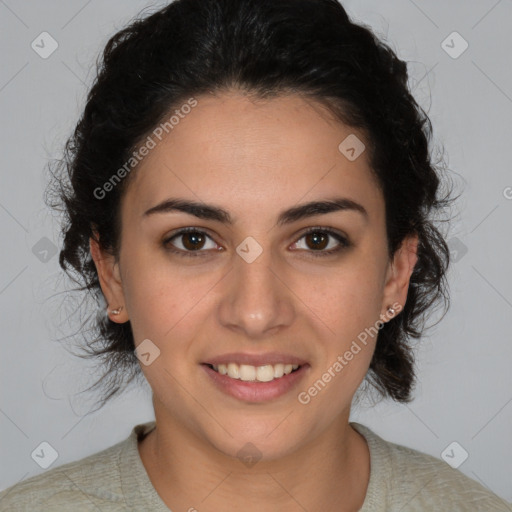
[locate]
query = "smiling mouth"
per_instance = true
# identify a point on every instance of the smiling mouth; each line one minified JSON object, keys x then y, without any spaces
{"x":248,"y":373}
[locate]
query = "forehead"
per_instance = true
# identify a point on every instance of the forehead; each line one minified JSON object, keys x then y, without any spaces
{"x":231,"y":149}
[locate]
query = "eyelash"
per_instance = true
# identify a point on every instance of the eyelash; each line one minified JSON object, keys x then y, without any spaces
{"x":344,"y":243}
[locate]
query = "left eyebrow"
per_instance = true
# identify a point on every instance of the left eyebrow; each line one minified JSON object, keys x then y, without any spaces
{"x":294,"y":214}
{"x":320,"y":208}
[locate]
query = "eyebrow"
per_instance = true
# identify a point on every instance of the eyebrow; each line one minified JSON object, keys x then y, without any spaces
{"x":294,"y":214}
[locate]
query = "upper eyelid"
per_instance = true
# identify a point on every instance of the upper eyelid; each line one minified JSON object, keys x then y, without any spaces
{"x":330,"y":231}
{"x":183,"y":231}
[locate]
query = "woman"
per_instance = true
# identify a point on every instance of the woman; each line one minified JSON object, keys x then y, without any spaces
{"x":250,"y":191}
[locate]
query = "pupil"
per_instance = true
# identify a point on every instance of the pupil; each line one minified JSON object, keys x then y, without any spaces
{"x":317,"y":239}
{"x":195,"y":239}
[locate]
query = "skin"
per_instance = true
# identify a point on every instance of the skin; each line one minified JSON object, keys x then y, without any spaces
{"x":254,"y":159}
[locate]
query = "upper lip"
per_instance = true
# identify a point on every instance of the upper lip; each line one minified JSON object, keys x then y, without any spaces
{"x":256,"y":359}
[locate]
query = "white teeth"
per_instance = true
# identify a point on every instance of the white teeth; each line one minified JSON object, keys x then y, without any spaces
{"x":278,"y":370}
{"x":265,"y":373}
{"x":249,"y":373}
{"x":233,"y":371}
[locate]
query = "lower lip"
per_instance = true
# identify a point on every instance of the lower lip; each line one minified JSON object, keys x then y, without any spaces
{"x":256,"y":391}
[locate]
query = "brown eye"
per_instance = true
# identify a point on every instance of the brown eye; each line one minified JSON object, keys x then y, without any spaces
{"x":190,"y":242}
{"x":317,"y":240}
{"x":193,"y":241}
{"x":322,"y":242}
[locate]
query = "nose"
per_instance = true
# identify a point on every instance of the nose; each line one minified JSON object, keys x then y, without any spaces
{"x":257,"y":302}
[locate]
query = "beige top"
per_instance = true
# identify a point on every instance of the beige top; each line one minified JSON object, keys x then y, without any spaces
{"x":114,"y":480}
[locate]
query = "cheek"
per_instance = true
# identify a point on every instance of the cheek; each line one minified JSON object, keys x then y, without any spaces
{"x":345,"y":306}
{"x":157,"y":305}
{"x":344,"y":300}
{"x":164,"y":302}
{"x":164,"y":310}
{"x":346,"y":335}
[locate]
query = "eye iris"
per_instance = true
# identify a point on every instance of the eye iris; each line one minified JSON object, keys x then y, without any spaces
{"x":319,"y":240}
{"x":191,"y":239}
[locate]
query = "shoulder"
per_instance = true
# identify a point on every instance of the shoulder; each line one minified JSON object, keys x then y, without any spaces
{"x":89,"y":484}
{"x":410,"y":479}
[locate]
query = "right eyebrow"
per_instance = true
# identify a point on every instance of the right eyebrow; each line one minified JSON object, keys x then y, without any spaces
{"x":293,"y":214}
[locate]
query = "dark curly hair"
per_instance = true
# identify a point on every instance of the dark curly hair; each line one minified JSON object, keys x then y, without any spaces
{"x":265,"y":48}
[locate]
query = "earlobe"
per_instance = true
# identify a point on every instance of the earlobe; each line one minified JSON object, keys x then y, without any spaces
{"x":400,"y":271}
{"x":110,"y":281}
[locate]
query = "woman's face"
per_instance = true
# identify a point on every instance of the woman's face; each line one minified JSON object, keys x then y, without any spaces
{"x":249,"y":285}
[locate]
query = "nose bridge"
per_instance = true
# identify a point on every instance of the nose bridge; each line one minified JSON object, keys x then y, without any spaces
{"x":256,"y":300}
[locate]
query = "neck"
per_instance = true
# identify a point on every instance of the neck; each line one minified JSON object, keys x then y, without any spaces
{"x":329,"y":473}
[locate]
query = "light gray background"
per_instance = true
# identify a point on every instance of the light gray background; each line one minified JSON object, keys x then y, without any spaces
{"x":465,"y":390}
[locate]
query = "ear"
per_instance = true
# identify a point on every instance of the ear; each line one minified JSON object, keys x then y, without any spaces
{"x":398,"y":276}
{"x":110,"y":281}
